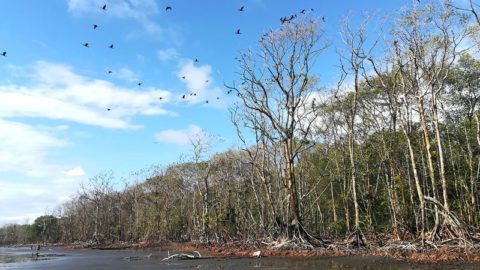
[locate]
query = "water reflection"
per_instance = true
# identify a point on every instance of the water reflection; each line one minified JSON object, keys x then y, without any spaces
{"x":24,"y":255}
{"x":21,"y":258}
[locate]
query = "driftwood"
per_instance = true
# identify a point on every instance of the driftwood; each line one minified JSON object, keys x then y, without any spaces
{"x":184,"y":256}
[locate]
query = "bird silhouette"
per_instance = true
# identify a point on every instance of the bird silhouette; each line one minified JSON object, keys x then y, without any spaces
{"x":86,"y":45}
{"x":194,"y":94}
{"x":238,"y":32}
{"x":287,"y":20}
{"x":241,"y":9}
{"x":218,"y":98}
{"x":196,"y":60}
{"x":323,"y":18}
{"x":4,"y":53}
{"x":160,"y":98}
{"x":104,"y":7}
{"x":229,"y":91}
{"x":206,"y":81}
{"x":206,"y":101}
{"x":95,"y":26}
{"x":303,"y":11}
{"x":167,"y":8}
{"x":183,"y":77}
{"x":111,"y":46}
{"x":108,"y":109}
{"x":139,"y":84}
{"x":110,"y":72}
{"x":183,"y":96}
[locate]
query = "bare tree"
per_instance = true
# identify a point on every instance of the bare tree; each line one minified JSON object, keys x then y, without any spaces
{"x":352,"y":61}
{"x":276,"y":89}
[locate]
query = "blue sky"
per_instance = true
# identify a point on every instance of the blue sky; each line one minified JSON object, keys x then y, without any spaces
{"x":55,"y":129}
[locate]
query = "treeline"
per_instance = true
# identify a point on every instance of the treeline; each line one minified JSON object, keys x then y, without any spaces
{"x":394,"y":150}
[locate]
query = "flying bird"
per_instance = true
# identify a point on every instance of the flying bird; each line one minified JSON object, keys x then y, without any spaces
{"x":95,"y":26}
{"x":218,"y":98}
{"x":110,"y":72}
{"x":206,"y":81}
{"x":323,"y":18}
{"x":238,"y":32}
{"x":196,"y":60}
{"x":108,"y":109}
{"x":183,"y":77}
{"x":104,"y":7}
{"x":183,"y":96}
{"x":4,"y":53}
{"x":167,"y":8}
{"x":139,"y":84}
{"x":287,"y":20}
{"x":111,"y":46}
{"x":229,"y":91}
{"x":206,"y":101}
{"x":160,"y":98}
{"x":303,"y":11}
{"x":241,"y":9}
{"x":86,"y":45}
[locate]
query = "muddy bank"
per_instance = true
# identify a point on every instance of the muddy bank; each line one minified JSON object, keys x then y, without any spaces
{"x":398,"y":250}
{"x":447,"y":254}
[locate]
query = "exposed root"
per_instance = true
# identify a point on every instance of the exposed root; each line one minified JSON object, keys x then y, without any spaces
{"x":357,"y":239}
{"x":451,"y":229}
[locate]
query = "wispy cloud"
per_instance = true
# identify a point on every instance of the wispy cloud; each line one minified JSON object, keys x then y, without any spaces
{"x":23,"y":201}
{"x":57,"y":92}
{"x":179,"y":137}
{"x":29,"y":181}
{"x":76,"y":171}
{"x":168,"y":54}
{"x":24,"y":148}
{"x":126,"y":74}
{"x":141,"y":11}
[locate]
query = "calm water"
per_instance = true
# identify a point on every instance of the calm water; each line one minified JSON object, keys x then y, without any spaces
{"x":56,"y":258}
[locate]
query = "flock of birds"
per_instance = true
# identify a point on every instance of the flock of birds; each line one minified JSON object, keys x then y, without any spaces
{"x":283,"y":20}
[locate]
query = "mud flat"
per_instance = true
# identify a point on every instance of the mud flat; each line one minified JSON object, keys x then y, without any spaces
{"x":61,"y":258}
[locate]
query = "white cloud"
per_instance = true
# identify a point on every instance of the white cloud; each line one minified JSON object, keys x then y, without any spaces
{"x":180,"y":137}
{"x":168,"y":54}
{"x":59,"y":93}
{"x":76,"y":171}
{"x":198,"y":80}
{"x":195,"y":77}
{"x":29,"y":181}
{"x":23,"y":200}
{"x":24,"y":149}
{"x":126,"y":74}
{"x":141,"y":11}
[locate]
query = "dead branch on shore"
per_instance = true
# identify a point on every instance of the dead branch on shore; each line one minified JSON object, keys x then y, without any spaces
{"x":293,"y":243}
{"x":184,"y":256}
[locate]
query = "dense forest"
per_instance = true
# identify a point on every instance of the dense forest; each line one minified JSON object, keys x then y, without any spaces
{"x":393,"y":150}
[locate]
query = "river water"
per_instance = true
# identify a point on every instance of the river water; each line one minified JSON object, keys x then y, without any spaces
{"x":58,"y":258}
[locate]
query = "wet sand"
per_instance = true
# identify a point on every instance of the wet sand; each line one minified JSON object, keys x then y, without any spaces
{"x":60,"y":259}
